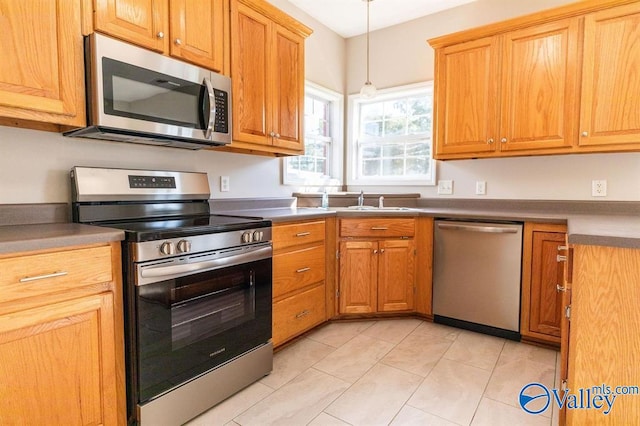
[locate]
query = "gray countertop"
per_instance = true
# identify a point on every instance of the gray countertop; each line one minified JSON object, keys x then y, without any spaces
{"x":21,"y":238}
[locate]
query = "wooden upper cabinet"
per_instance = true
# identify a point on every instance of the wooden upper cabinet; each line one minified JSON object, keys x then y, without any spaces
{"x":611,"y":78}
{"x":467,"y":98}
{"x":197,"y":32}
{"x":250,"y":65}
{"x":539,"y":87}
{"x":191,"y":30}
{"x":267,"y":72}
{"x":141,"y":22}
{"x":41,"y":71}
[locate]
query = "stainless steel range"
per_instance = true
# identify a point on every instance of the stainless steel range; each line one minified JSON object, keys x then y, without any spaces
{"x":197,"y":289}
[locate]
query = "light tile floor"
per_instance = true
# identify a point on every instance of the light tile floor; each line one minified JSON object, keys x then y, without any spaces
{"x":393,"y":372}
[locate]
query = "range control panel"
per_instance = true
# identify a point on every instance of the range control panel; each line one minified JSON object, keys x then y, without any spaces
{"x":138,"y":181}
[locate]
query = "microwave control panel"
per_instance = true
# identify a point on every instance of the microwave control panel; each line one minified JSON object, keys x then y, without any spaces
{"x":221,"y":124}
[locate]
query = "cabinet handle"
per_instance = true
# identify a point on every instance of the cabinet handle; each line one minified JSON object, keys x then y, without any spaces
{"x":560,"y":258}
{"x":490,"y":141}
{"x":272,"y":134}
{"x":160,"y":35}
{"x":42,"y":277}
{"x":277,"y":135}
{"x":381,"y":251}
{"x":301,"y":270}
{"x":503,"y":140}
{"x":178,"y":42}
{"x":560,"y":288}
{"x":375,"y":251}
{"x":303,"y":234}
{"x":585,"y":134}
{"x":302,"y":314}
{"x":379,"y":228}
{"x":562,"y":248}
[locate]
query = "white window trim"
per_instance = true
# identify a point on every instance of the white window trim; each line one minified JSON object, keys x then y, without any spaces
{"x":352,"y":151}
{"x":337,"y":135}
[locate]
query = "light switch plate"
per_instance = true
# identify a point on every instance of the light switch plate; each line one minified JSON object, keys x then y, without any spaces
{"x":445,"y":187}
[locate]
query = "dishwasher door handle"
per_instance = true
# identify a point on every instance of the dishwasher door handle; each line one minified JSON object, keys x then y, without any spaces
{"x":478,"y":228}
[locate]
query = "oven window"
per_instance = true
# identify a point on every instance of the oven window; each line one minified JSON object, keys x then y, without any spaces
{"x":135,"y":92}
{"x":188,"y":325}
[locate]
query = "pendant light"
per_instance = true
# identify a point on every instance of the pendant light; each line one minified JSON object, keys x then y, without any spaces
{"x":368,"y":90}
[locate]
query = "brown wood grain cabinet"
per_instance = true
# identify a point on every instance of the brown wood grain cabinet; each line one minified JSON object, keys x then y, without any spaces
{"x":603,"y":344}
{"x":61,"y":337}
{"x":542,"y":282}
{"x":376,"y":265}
{"x":299,"y":287}
{"x":267,"y":71}
{"x":554,"y":82}
{"x":41,"y":71}
{"x":191,"y":30}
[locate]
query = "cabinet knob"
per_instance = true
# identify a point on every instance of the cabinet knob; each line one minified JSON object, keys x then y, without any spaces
{"x":375,"y":252}
{"x":381,"y":251}
{"x":160,"y":35}
{"x":490,"y":141}
{"x":503,"y":140}
{"x":272,"y":134}
{"x":560,"y":288}
{"x":585,"y":134}
{"x":277,"y":135}
{"x":178,"y":42}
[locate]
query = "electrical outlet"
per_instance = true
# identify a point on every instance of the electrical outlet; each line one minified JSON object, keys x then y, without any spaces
{"x":481,"y":187}
{"x":445,"y":187}
{"x":224,"y":183}
{"x":598,"y":188}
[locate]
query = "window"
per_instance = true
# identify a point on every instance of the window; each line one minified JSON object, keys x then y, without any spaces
{"x":391,"y":137}
{"x":320,"y":165}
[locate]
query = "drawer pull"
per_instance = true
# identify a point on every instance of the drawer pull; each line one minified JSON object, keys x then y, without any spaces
{"x":302,"y":314}
{"x":303,"y":270}
{"x":562,"y":248}
{"x":560,"y":258}
{"x":303,"y":234}
{"x":42,"y":277}
{"x":379,"y":228}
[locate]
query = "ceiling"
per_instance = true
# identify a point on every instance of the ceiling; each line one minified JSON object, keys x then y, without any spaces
{"x":349,"y":17}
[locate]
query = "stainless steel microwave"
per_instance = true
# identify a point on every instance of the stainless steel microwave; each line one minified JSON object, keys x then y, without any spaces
{"x":135,"y":95}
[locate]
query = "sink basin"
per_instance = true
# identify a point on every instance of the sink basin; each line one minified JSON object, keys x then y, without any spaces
{"x":372,"y":208}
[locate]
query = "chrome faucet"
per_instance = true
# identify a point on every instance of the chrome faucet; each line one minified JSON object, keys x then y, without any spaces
{"x":361,"y":199}
{"x":381,"y":202}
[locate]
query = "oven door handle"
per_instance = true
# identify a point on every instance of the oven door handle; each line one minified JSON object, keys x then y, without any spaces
{"x":168,"y":272}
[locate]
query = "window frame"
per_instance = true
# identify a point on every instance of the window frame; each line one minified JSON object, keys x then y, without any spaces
{"x":336,"y":145}
{"x":353,"y":161}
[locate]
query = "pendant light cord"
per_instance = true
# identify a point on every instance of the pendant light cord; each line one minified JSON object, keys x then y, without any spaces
{"x":368,"y":3}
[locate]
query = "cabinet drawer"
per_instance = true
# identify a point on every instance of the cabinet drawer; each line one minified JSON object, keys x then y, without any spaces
{"x":297,"y":269}
{"x":37,"y":274}
{"x":377,"y":227}
{"x":296,"y":314}
{"x":297,"y":233}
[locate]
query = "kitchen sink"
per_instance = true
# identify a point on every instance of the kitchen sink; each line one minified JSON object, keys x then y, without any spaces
{"x":372,"y":208}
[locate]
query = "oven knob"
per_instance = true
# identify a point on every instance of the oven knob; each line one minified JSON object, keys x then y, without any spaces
{"x":246,"y":237}
{"x":257,"y":236}
{"x":184,"y":246}
{"x":167,"y":248}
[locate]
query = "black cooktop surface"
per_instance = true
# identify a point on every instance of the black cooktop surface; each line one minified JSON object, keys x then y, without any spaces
{"x":165,"y":228}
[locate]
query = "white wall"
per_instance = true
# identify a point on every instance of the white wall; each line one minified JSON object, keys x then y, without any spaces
{"x":401,"y":55}
{"x":34,"y":165}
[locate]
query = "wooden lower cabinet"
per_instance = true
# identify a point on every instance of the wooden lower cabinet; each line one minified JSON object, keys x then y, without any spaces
{"x":61,"y":339}
{"x":299,"y":270}
{"x":377,"y":275}
{"x":603,"y":342}
{"x":542,"y":281}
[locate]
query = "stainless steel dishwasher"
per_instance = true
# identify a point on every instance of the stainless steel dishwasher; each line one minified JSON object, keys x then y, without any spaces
{"x":476,"y":276}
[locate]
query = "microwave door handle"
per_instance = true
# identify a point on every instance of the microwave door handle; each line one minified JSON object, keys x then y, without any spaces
{"x":212,"y":108}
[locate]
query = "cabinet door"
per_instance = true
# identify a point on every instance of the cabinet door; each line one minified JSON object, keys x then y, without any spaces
{"x":288,"y":90}
{"x":539,"y":89}
{"x":197,"y":32}
{"x":545,"y":309}
{"x":467,"y":102}
{"x":396,"y":275}
{"x":141,"y":22}
{"x":250,"y":62}
{"x":358,"y":276}
{"x":610,"y":78}
{"x":58,"y":364}
{"x":41,"y":70}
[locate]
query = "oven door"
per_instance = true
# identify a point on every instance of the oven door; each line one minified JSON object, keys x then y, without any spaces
{"x":201,"y":311}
